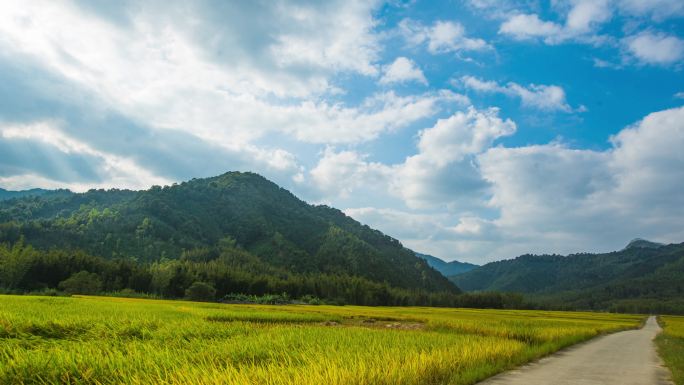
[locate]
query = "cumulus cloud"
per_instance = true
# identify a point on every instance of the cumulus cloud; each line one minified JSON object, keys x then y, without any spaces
{"x":585,"y":15}
{"x":582,"y":18}
{"x":199,"y":79}
{"x":158,"y":69}
{"x":402,"y":70}
{"x":544,"y":97}
{"x":542,"y":198}
{"x":655,"y":48}
{"x":323,"y":122}
{"x":462,"y":134}
{"x":585,"y":21}
{"x":441,"y":37}
{"x":441,"y":173}
{"x":67,"y":156}
{"x":529,"y":26}
{"x":656,"y":9}
{"x":438,"y":234}
{"x":581,"y":200}
{"x":342,"y":172}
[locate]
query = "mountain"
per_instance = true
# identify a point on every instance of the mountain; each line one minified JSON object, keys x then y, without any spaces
{"x":447,"y":268}
{"x":641,"y":276}
{"x":194,"y":218}
{"x":643,"y":244}
{"x":7,"y":194}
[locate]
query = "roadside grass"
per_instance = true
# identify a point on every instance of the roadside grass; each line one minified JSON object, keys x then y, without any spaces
{"x":102,"y":340}
{"x":671,"y":346}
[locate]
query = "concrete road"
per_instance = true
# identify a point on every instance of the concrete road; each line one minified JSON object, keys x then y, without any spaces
{"x":622,"y":358}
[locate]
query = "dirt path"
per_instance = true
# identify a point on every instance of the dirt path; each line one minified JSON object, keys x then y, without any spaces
{"x":622,"y":358}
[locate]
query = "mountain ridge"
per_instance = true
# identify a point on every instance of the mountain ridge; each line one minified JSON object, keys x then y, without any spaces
{"x":12,"y":194}
{"x":253,"y":212}
{"x":591,"y":281}
{"x":643,"y":244}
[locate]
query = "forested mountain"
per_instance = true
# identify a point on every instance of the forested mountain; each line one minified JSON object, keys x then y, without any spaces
{"x":641,"y":276}
{"x":447,"y":268}
{"x":248,"y":222}
{"x":6,"y":194}
{"x":639,"y":243}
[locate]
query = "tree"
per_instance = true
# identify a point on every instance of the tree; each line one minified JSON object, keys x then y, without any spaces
{"x":15,"y":262}
{"x":200,"y":291}
{"x":82,"y":282}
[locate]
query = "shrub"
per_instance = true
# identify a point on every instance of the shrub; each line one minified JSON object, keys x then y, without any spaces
{"x":200,"y":291}
{"x":82,"y":282}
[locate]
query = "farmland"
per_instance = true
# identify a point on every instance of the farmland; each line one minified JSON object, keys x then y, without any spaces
{"x":671,"y":346}
{"x":100,"y":340}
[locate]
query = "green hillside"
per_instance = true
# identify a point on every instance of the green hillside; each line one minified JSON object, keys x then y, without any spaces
{"x":638,"y":278}
{"x":7,"y":194}
{"x":199,"y":220}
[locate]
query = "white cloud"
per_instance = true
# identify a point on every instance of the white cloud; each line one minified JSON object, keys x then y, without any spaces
{"x":656,"y":9}
{"x":582,"y":19}
{"x":556,"y":199}
{"x":115,"y":171}
{"x":655,"y":48}
{"x":434,"y":233}
{"x":441,"y":37}
{"x":544,"y":97}
{"x":225,"y":90}
{"x":325,"y":123}
{"x":402,"y":70}
{"x":442,"y":170}
{"x":462,"y":134}
{"x":331,"y":35}
{"x":501,"y":9}
{"x":540,"y":199}
{"x":586,"y":15}
{"x":340,"y":173}
{"x":679,"y":95}
{"x":529,"y":26}
{"x":443,"y":173}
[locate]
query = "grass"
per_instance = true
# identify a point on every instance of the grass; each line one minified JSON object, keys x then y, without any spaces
{"x":671,"y":346}
{"x":100,"y":340}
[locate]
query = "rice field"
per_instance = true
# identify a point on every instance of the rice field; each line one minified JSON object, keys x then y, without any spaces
{"x":102,"y":340}
{"x":671,"y":346}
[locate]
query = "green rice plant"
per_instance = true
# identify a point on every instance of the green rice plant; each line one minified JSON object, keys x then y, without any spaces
{"x":103,"y":340}
{"x":671,"y":346}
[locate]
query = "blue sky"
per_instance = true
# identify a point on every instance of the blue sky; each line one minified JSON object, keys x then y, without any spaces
{"x":471,"y":129}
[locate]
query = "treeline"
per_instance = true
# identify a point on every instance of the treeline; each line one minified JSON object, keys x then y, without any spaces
{"x":637,"y":300}
{"x":208,"y":274}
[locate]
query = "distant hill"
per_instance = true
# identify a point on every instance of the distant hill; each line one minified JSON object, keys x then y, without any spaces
{"x":193,"y":217}
{"x":643,"y":271}
{"x":639,"y":243}
{"x":8,"y":194}
{"x":447,"y":268}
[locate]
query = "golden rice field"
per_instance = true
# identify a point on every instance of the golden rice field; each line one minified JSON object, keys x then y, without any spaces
{"x":671,"y":346}
{"x":100,"y":340}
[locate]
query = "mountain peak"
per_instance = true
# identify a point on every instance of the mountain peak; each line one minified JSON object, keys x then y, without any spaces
{"x":639,"y":243}
{"x":265,"y":220}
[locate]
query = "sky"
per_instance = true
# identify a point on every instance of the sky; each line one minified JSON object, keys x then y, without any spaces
{"x":472,"y":130}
